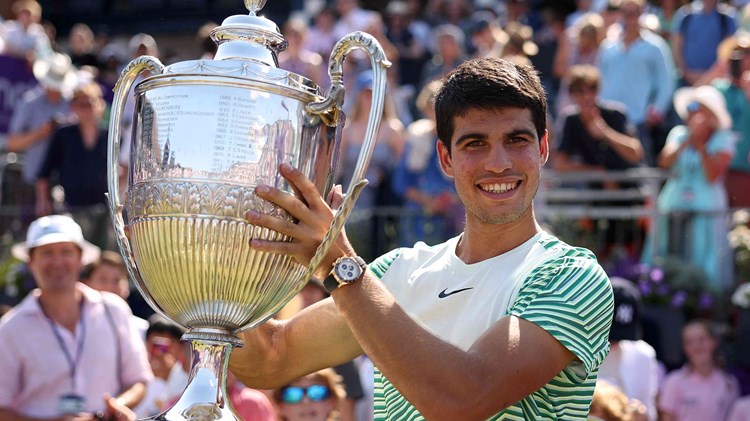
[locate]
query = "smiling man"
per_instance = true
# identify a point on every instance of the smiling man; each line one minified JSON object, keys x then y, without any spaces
{"x":504,"y":321}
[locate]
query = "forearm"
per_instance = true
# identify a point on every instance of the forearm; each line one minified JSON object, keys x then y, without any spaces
{"x":442,"y":381}
{"x":42,"y":190}
{"x":422,"y":367}
{"x":22,"y":141}
{"x":713,"y":165}
{"x":628,"y":148}
{"x":133,"y":395}
{"x":278,"y":352}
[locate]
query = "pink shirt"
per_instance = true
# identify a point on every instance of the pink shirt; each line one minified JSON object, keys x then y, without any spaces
{"x":740,"y":410}
{"x":35,"y":371}
{"x":689,"y":396}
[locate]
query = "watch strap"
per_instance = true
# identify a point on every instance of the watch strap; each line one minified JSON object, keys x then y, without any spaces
{"x":331,"y":282}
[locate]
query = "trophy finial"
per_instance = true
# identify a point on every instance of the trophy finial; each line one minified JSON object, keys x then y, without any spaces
{"x":254,"y":6}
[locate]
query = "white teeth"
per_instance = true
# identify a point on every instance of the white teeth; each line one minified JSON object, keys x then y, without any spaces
{"x":498,"y":188}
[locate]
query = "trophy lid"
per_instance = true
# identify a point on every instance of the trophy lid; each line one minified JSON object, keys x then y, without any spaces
{"x":249,"y":37}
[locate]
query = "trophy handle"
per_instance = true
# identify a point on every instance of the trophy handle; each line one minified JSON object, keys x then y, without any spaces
{"x":122,"y":87}
{"x":332,"y":105}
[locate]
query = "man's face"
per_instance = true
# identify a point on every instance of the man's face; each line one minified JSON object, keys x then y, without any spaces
{"x":495,"y":160}
{"x":109,"y":278}
{"x":56,"y":266}
{"x":631,"y":12}
{"x":584,"y":96}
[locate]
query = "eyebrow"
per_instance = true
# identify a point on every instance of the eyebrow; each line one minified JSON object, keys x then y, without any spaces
{"x":484,"y":136}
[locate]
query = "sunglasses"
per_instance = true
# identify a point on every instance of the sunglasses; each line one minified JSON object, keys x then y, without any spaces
{"x":295,"y":394}
{"x":693,"y":107}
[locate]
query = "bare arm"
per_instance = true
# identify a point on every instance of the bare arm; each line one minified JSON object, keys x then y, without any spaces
{"x":439,"y":379}
{"x":133,"y":395}
{"x":43,"y":204}
{"x":19,"y":142}
{"x":280,"y":351}
{"x":508,"y":362}
{"x":714,"y":165}
{"x":627,"y":147}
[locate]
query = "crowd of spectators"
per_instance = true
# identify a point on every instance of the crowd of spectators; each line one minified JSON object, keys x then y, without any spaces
{"x":631,"y":84}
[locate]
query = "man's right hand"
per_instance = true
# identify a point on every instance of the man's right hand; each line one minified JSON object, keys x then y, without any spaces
{"x":45,"y":130}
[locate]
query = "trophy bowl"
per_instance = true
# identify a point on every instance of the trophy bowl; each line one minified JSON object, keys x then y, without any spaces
{"x":205,"y":133}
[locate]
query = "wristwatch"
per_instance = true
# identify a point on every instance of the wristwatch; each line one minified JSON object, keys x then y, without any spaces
{"x":346,"y":270}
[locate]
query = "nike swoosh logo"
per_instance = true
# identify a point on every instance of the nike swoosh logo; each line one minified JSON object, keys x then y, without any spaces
{"x":444,"y":293}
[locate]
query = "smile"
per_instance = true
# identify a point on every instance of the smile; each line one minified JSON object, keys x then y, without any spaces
{"x":499,"y":187}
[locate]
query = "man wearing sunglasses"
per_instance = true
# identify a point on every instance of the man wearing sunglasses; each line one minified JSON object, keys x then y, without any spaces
{"x":314,"y":397}
{"x":504,"y":321}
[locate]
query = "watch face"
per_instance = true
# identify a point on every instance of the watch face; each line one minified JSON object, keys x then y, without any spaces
{"x":347,"y":270}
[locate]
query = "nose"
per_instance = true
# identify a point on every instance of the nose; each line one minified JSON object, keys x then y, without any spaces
{"x":498,"y":159}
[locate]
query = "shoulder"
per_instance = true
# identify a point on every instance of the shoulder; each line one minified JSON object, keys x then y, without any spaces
{"x":675,"y":377}
{"x":407,"y":258}
{"x":112,"y":302}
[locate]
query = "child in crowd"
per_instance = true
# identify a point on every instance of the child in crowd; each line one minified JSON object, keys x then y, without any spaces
{"x":314,"y":397}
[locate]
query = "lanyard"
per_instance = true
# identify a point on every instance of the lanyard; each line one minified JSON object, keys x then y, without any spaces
{"x":72,"y":363}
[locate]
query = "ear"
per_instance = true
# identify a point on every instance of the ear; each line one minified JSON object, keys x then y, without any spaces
{"x":446,"y":163}
{"x":544,"y":148}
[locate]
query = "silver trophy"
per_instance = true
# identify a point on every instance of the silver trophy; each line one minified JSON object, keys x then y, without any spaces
{"x":205,"y":133}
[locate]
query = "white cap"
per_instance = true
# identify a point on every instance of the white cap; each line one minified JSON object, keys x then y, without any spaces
{"x":55,"y":229}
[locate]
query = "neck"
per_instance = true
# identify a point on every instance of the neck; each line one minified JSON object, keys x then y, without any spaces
{"x":62,"y":307}
{"x":631,"y":34}
{"x":482,"y":241}
{"x":702,"y":368}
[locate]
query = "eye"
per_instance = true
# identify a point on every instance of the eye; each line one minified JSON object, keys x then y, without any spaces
{"x":518,"y":139}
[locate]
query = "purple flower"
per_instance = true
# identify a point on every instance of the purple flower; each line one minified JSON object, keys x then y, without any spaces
{"x":705,"y":301}
{"x":645,"y":288}
{"x":657,"y":275}
{"x":679,"y":298}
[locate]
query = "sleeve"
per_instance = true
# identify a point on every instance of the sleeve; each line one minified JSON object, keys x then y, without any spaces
{"x":401,"y":179}
{"x":571,"y":298}
{"x":566,"y":139}
{"x":677,"y":136}
{"x":134,"y":359}
{"x":382,"y":263}
{"x":669,"y":394}
{"x":619,"y":122}
{"x":723,"y":141}
{"x":19,"y":122}
{"x":54,"y":156}
{"x":663,"y":75}
{"x":11,"y":366}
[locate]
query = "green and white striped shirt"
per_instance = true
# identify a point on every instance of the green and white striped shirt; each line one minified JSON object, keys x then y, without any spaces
{"x":545,"y":281}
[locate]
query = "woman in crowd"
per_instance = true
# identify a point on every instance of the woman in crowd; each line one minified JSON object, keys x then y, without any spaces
{"x":700,"y":390}
{"x":314,"y":397}
{"x":693,"y":202}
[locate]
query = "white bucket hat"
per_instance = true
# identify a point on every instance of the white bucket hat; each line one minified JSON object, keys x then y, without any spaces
{"x":55,"y":229}
{"x":709,"y":97}
{"x":56,"y":73}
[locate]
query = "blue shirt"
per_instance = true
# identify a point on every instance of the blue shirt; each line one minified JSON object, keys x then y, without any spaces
{"x":701,"y":34}
{"x":739,"y":108}
{"x":639,"y":76}
{"x":33,"y":111}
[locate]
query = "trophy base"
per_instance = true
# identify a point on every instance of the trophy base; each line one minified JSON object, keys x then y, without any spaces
{"x":205,"y":397}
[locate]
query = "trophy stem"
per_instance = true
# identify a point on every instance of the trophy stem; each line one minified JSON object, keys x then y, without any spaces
{"x":205,"y":397}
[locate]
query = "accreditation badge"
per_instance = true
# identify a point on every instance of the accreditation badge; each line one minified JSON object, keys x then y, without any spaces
{"x":71,"y":404}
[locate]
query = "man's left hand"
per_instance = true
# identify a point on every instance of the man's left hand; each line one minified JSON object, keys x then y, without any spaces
{"x":313,"y":218}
